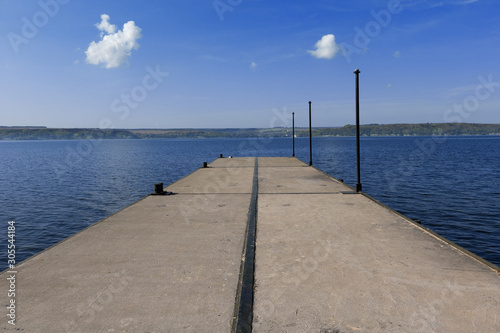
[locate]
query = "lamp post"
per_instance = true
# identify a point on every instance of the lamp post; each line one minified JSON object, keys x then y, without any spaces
{"x":310,"y":137}
{"x":358,"y":158}
{"x":293,"y":134}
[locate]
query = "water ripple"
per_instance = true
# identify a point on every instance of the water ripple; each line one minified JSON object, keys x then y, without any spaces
{"x":52,"y":193}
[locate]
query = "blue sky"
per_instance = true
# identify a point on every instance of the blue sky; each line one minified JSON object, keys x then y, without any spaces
{"x":247,"y":63}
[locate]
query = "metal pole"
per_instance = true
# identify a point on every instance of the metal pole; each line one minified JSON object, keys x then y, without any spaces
{"x":358,"y":184}
{"x":293,"y":134}
{"x":310,"y":138}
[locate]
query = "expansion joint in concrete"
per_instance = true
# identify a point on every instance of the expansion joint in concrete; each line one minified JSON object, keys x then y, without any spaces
{"x":243,"y":312}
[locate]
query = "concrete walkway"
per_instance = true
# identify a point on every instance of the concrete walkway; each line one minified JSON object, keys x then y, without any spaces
{"x":164,"y":264}
{"x":325,"y":262}
{"x":333,"y":262}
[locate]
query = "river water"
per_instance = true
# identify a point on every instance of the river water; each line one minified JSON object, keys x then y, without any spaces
{"x":53,"y":189}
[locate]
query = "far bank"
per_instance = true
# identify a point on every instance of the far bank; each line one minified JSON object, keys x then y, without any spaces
{"x":427,"y":129}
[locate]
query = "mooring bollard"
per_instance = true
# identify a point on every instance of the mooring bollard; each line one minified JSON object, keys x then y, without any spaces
{"x":221,"y":156}
{"x":205,"y":165}
{"x":417,"y":221}
{"x":159,"y":188}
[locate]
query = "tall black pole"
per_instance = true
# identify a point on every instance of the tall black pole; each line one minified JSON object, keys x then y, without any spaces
{"x":293,"y":134}
{"x":310,"y":138}
{"x":358,"y":184}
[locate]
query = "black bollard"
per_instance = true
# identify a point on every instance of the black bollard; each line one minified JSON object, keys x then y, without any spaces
{"x":159,"y":188}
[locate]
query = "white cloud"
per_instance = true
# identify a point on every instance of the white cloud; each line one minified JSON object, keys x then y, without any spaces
{"x":397,"y":54}
{"x":115,"y":47}
{"x":105,"y":25}
{"x":326,"y":48}
{"x":253,"y":66}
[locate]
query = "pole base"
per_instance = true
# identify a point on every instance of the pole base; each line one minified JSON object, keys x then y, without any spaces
{"x":359,"y":187}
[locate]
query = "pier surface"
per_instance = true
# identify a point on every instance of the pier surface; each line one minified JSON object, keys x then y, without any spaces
{"x":326,"y":260}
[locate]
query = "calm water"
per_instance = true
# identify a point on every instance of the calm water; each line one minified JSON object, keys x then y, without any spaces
{"x":52,"y":189}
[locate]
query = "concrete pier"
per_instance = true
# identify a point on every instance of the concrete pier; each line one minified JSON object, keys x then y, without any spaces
{"x":326,"y":260}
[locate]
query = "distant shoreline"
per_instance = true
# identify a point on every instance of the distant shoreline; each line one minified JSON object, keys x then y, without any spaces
{"x":372,"y":130}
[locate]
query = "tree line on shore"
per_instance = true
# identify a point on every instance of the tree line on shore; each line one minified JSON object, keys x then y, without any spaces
{"x":427,"y":129}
